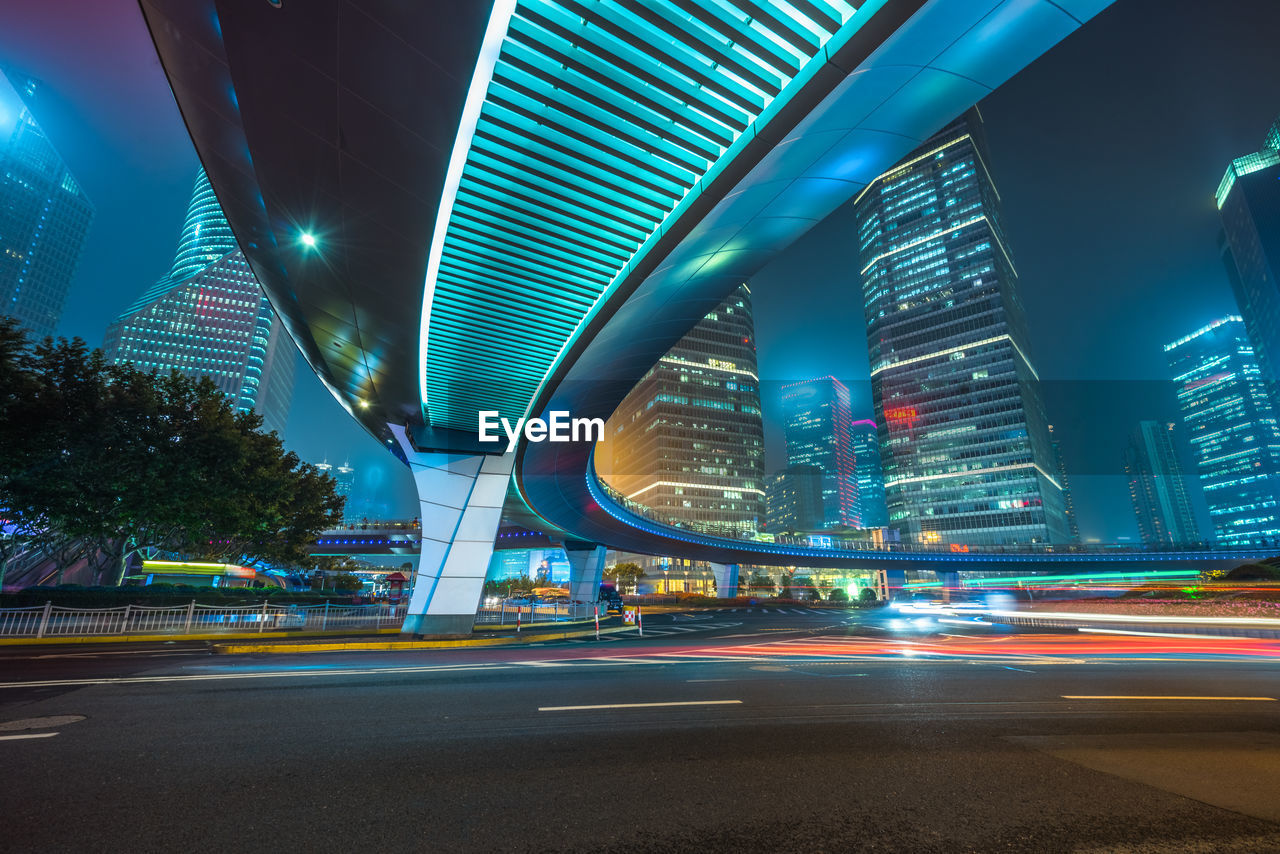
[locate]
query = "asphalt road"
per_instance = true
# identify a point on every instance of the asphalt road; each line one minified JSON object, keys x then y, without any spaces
{"x":719,"y":731}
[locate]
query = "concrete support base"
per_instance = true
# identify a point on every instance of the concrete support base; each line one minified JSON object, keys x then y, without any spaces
{"x":420,"y":625}
{"x":586,"y":570}
{"x":726,"y":575}
{"x":461,"y":497}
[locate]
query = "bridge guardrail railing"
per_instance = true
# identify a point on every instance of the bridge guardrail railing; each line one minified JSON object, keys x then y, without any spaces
{"x":504,"y":614}
{"x":52,"y":620}
{"x":846,"y":545}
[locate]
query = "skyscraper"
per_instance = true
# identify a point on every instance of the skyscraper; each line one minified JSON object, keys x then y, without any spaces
{"x":344,"y":477}
{"x":1064,"y":481}
{"x":793,"y":499}
{"x":688,"y":441}
{"x":209,"y":318}
{"x":819,"y":430}
{"x":963,"y":436}
{"x":1232,"y":424}
{"x":44,"y":215}
{"x":872,"y":512}
{"x":1156,"y":487}
{"x":1249,"y":203}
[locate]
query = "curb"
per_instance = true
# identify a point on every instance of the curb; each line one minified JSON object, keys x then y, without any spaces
{"x":391,"y":646}
{"x":89,"y":639}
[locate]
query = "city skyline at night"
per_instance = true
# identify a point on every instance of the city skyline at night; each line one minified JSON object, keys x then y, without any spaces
{"x":766,"y":426}
{"x":1044,"y":113}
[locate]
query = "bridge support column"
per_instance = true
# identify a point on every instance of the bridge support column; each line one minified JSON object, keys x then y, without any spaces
{"x":726,"y":575}
{"x":461,"y":499}
{"x":586,"y":570}
{"x":950,"y":580}
{"x":889,"y":584}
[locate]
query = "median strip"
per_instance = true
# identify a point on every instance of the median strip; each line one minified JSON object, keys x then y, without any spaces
{"x":640,"y":705}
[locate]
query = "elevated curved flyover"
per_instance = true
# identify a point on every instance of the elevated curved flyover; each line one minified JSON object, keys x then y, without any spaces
{"x":520,"y":206}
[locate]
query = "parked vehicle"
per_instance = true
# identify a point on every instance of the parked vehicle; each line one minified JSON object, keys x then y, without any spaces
{"x":610,"y":599}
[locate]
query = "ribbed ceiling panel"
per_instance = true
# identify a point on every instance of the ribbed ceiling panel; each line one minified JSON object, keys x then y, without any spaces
{"x":600,"y":118}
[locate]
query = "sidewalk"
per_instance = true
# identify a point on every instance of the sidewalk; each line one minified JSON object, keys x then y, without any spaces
{"x":296,"y":642}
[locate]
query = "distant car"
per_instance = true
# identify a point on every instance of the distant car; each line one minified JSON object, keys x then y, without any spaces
{"x":610,"y":599}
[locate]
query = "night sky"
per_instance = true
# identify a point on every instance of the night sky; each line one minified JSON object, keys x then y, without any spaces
{"x":1106,"y":152}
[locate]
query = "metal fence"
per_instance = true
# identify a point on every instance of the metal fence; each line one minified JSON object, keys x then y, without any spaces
{"x":52,"y":620}
{"x":505,"y":614}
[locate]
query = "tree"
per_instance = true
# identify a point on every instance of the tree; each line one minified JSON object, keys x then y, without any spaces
{"x":18,"y":524}
{"x":784,"y":589}
{"x":348,"y":583}
{"x":625,"y":576}
{"x":760,"y":583}
{"x":838,"y":594}
{"x":116,"y":460}
{"x":867,"y":596}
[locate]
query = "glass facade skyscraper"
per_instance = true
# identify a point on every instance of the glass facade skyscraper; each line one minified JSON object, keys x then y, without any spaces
{"x":793,"y":499}
{"x":1249,"y":204}
{"x":209,"y":318}
{"x":1157,"y":490}
{"x":872,"y":512}
{"x":1231,"y":421}
{"x":344,"y":477}
{"x":818,"y":424}
{"x":688,"y":441}
{"x":44,"y":215}
{"x":963,"y":436}
{"x":1064,"y":481}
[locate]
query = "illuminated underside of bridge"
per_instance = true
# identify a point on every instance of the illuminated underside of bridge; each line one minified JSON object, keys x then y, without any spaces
{"x":520,"y":207}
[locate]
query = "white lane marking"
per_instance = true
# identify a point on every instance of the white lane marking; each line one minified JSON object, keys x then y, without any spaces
{"x":29,"y":735}
{"x":276,"y":674}
{"x":711,"y":680}
{"x":146,"y":652}
{"x":640,"y":705}
{"x":1166,"y":697}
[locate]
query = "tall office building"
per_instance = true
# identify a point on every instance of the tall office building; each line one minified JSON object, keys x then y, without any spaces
{"x":1157,"y":490}
{"x":44,"y":215}
{"x":209,"y":318}
{"x":688,"y":441}
{"x":818,"y":424}
{"x":963,"y":436}
{"x":793,"y":499}
{"x":1232,"y":425}
{"x":1249,"y":203}
{"x":344,"y":477}
{"x":1064,"y":481}
{"x":872,"y":512}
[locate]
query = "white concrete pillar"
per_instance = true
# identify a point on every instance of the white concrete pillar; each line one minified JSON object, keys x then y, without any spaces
{"x":726,"y":575}
{"x":950,"y":579}
{"x":890,"y":584}
{"x":586,"y":571}
{"x":461,"y":498}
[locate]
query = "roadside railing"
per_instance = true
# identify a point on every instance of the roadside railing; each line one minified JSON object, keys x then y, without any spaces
{"x":505,"y":614}
{"x":52,"y":620}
